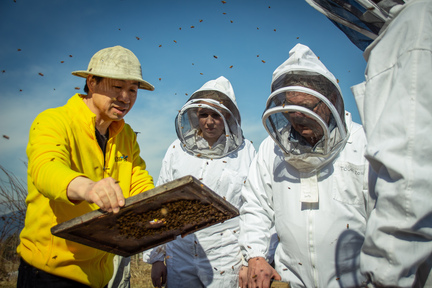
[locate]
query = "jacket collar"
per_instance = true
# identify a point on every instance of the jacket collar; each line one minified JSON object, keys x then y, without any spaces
{"x":88,"y":118}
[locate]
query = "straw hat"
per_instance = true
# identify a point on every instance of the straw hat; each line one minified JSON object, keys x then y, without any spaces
{"x":117,"y":63}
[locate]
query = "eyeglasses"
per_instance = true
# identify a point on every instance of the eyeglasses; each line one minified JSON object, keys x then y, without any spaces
{"x":306,"y":105}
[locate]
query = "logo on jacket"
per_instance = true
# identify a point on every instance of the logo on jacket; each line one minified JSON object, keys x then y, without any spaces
{"x":122,"y":158}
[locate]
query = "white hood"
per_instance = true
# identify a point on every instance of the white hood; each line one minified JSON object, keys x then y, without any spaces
{"x":304,"y":73}
{"x":217,"y":95}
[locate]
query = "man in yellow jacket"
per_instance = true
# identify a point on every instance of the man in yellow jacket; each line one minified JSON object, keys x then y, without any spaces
{"x":81,"y":157}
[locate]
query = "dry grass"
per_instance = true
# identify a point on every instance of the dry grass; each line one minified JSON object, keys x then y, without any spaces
{"x":9,"y":278}
{"x":140,"y":273}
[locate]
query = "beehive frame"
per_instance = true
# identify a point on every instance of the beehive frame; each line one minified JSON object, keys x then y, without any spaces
{"x":119,"y":234}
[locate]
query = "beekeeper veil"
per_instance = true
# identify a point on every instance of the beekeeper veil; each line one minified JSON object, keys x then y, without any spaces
{"x":360,"y":20}
{"x":305,"y":111}
{"x":218,"y":99}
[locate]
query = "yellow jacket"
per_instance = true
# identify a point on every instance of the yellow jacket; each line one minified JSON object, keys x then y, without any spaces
{"x":62,"y":146}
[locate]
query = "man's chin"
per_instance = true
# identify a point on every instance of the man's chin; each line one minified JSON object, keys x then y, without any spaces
{"x":117,"y":116}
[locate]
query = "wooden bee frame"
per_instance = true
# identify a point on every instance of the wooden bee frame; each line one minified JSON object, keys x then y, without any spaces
{"x":150,"y":219}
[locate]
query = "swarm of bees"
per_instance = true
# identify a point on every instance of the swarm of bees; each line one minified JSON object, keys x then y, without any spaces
{"x":174,"y":216}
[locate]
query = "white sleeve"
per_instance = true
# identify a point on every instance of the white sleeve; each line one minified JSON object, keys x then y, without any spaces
{"x":165,"y":174}
{"x":256,"y":213}
{"x":155,"y":254}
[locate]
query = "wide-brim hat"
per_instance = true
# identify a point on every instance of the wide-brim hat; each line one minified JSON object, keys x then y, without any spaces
{"x":117,"y":63}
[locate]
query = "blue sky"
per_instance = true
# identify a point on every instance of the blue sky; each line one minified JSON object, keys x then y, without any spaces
{"x":180,"y":44}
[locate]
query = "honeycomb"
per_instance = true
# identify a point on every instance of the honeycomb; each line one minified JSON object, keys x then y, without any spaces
{"x":171,"y":216}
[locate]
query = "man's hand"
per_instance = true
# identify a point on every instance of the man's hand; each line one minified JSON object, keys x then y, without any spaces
{"x":260,"y":273}
{"x":158,"y":274}
{"x":105,"y":193}
{"x":243,"y":280}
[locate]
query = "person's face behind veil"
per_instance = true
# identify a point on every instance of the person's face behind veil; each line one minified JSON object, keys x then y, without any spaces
{"x":306,"y":126}
{"x":211,"y":125}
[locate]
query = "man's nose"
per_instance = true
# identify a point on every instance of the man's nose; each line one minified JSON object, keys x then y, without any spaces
{"x":210,"y":119}
{"x":124,"y":96}
{"x":297,"y":114}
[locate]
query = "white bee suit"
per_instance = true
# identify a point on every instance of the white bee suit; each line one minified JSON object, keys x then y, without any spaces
{"x":210,"y":257}
{"x":320,"y":239}
{"x":395,"y":104}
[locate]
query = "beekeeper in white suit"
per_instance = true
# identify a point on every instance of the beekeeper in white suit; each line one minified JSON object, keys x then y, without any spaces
{"x":395,"y":104}
{"x":309,"y":180}
{"x":210,"y":147}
